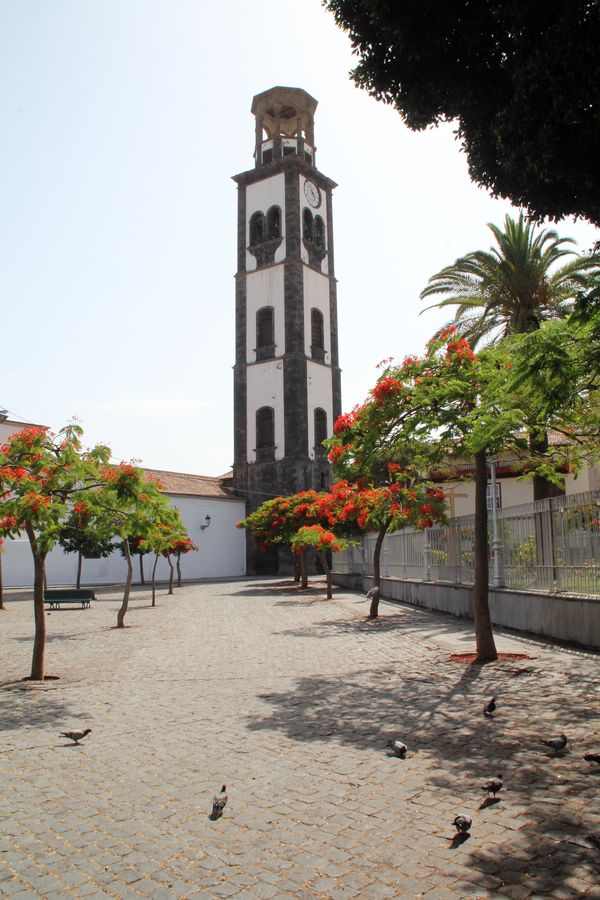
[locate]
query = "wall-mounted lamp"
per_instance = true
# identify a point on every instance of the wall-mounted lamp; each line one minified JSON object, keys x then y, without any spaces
{"x":207,"y":521}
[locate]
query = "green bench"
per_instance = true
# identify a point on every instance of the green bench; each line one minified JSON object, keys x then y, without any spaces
{"x":56,"y":596}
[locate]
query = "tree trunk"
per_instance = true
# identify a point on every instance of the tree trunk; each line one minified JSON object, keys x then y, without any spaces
{"x":542,"y":488}
{"x":303,"y":571}
{"x":374,"y":609}
{"x":171,"y":573}
{"x":296,"y":564}
{"x":79,"y":565}
{"x":327,"y":568}
{"x":142,"y":579}
{"x":39,"y":614}
{"x":484,"y":636}
{"x":179,"y":570}
{"x":154,"y":580}
{"x":125,"y":603}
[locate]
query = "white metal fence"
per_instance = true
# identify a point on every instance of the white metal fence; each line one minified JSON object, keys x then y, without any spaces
{"x":552,"y":545}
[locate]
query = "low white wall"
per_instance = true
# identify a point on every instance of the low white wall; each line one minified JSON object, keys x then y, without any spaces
{"x":222,"y":551}
{"x":563,"y":617}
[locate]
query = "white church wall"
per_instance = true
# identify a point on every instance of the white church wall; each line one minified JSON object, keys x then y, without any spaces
{"x":259,"y":197}
{"x":264,"y":385}
{"x":265,"y":288}
{"x":222,"y":551}
{"x":319,"y":395}
{"x":316,"y":296}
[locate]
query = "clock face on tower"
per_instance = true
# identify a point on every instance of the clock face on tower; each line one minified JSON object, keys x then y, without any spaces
{"x":312,"y":193}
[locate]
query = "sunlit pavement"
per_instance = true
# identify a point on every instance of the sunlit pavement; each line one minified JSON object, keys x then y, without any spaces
{"x":289,"y":699}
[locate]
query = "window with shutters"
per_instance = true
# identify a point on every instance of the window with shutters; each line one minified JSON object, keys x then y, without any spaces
{"x":320,"y":431}
{"x":265,"y":333}
{"x":317,"y":335}
{"x":265,"y":433}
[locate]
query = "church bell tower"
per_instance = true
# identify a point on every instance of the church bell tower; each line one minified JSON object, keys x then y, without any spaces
{"x":286,"y":375}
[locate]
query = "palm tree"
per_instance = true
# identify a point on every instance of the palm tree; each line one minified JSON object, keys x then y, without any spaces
{"x":512,"y":289}
{"x":515,"y":286}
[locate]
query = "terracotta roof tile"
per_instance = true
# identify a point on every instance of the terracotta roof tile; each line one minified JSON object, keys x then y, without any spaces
{"x":192,"y":485}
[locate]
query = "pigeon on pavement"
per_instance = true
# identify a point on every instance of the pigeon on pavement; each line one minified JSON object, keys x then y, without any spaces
{"x":488,"y":709}
{"x":398,"y":747}
{"x":219,"y":803}
{"x":556,"y":743}
{"x":76,"y":735}
{"x":462,"y":823}
{"x":492,"y":785}
{"x":592,"y":757}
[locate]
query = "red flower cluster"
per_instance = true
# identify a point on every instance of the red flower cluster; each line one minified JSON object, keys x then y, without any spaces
{"x":393,"y":468}
{"x":387,"y":387}
{"x":337,"y":452}
{"x":344,"y":422}
{"x":35,"y":502}
{"x":460,"y":348}
{"x":7,"y":523}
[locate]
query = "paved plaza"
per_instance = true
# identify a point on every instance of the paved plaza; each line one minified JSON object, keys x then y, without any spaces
{"x":289,"y":699}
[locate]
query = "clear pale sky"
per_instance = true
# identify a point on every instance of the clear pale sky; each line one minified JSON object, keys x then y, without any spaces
{"x":121,"y":123}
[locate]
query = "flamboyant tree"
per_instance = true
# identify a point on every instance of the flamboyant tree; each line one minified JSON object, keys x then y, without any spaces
{"x":164,"y":534}
{"x":41,"y":476}
{"x":180,"y":548}
{"x":423,"y":410}
{"x":278,"y":520}
{"x":128,"y":505}
{"x":323,"y":542}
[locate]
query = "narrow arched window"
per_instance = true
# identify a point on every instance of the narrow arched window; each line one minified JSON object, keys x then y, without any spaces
{"x":317,"y":336}
{"x":265,"y":333}
{"x":319,"y":232}
{"x":257,"y":228}
{"x":273,"y":223}
{"x":320,"y":431}
{"x":307,"y":225}
{"x":265,"y":433}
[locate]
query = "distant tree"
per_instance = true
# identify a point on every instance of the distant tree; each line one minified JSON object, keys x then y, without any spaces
{"x":277,"y":521}
{"x":180,"y":549}
{"x":324,"y":542}
{"x":128,"y":505}
{"x":78,"y":536}
{"x":520,"y":78}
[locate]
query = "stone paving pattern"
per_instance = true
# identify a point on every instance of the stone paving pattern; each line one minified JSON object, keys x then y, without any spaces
{"x":289,"y":699}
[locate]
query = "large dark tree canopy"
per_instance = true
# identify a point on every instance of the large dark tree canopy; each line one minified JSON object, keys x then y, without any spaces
{"x":520,"y":77}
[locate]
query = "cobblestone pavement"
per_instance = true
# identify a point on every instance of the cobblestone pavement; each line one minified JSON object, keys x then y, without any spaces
{"x":289,"y":699}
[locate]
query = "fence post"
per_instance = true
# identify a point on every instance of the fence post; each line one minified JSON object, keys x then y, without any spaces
{"x":426,"y":556}
{"x":497,"y":562}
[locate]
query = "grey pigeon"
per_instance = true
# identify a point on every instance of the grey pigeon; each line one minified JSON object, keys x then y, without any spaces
{"x":76,"y":735}
{"x":557,"y":743}
{"x":462,"y":823}
{"x":493,"y":785}
{"x":592,"y":757}
{"x":489,"y":708}
{"x":398,"y":747}
{"x":219,"y":803}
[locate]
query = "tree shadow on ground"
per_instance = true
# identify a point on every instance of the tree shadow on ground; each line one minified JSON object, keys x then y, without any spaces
{"x":439,"y":716}
{"x":32,"y":704}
